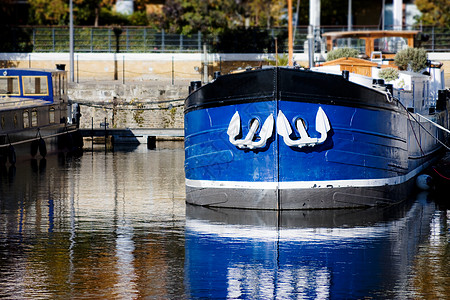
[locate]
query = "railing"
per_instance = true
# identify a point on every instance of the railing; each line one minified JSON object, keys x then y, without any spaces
{"x":145,"y":39}
{"x":100,"y":39}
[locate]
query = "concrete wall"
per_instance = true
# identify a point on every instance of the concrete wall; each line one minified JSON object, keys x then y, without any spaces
{"x":137,"y":67}
{"x":125,"y":67}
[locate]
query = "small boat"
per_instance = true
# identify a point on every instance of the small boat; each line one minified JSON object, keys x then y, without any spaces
{"x":34,"y":114}
{"x":326,"y":137}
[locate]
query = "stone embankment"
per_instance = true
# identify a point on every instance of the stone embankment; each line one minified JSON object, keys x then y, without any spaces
{"x":135,"y":104}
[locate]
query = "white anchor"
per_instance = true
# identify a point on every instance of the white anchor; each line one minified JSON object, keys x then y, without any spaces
{"x":284,"y":129}
{"x":249,"y":142}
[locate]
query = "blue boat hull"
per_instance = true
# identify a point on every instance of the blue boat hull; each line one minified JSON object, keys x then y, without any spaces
{"x":362,"y":161}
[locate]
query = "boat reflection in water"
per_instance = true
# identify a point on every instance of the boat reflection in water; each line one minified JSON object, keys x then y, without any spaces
{"x":106,"y":225}
{"x":307,"y":254}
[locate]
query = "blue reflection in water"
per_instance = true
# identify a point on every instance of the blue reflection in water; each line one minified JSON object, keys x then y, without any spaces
{"x":306,"y":255}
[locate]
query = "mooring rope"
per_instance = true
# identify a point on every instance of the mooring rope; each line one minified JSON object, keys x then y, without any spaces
{"x":426,"y":130}
{"x":130,"y":109}
{"x":437,"y":139}
{"x":445,"y":177}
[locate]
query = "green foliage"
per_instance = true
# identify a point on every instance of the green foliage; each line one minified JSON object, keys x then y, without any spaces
{"x":415,"y":58}
{"x":251,"y":40}
{"x":434,"y":12}
{"x":15,"y":39}
{"x":138,"y":115}
{"x":191,"y":16}
{"x":281,"y":60}
{"x":264,"y":13}
{"x":85,"y":12}
{"x":49,"y":12}
{"x":138,"y":18}
{"x":342,"y":52}
{"x":109,"y":17}
{"x":388,"y":74}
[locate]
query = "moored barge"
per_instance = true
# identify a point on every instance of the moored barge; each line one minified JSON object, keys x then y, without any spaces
{"x":282,"y":138}
{"x":34,"y":114}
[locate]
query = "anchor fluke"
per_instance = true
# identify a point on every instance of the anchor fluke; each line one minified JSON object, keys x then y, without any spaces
{"x":284,"y":129}
{"x":250,"y":141}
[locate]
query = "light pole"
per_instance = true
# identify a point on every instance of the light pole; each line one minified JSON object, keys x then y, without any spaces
{"x":290,"y":37}
{"x":71,"y":42}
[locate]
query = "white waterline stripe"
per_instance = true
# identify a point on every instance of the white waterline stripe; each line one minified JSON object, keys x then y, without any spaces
{"x":231,"y":184}
{"x":305,"y":184}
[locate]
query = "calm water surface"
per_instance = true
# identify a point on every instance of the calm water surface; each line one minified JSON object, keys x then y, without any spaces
{"x":114,"y":225}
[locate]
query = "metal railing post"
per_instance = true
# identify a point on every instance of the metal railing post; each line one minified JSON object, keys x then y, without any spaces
{"x":53,"y":39}
{"x":163,"y":46}
{"x":34,"y":38}
{"x":145,"y":39}
{"x":126,"y":38}
{"x":432,"y":39}
{"x":92,"y":40}
{"x":109,"y":39}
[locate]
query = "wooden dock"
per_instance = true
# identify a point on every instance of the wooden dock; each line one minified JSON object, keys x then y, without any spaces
{"x":133,"y":135}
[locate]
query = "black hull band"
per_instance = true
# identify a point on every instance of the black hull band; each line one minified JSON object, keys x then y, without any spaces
{"x":288,"y":85}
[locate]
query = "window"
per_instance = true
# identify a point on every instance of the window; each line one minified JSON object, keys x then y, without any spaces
{"x":390,"y":44}
{"x":59,"y":85}
{"x":63,"y":90}
{"x":354,"y":43}
{"x":54,"y":85}
{"x":26,"y":119}
{"x":34,"y":118}
{"x":9,"y":86}
{"x":35,"y":85}
{"x":51,"y":115}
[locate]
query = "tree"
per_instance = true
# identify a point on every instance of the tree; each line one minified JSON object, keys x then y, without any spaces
{"x":265,"y":13}
{"x":248,"y":40}
{"x":56,"y":12}
{"x":191,"y":16}
{"x":49,"y":12}
{"x":434,"y":12}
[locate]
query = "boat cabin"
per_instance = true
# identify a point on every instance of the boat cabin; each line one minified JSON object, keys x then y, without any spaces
{"x":31,"y":98}
{"x":375,"y":44}
{"x":353,"y":65}
{"x":417,"y":92}
{"x":47,"y":85}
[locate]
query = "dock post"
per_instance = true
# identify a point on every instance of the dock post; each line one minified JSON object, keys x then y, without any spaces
{"x":92,"y":134}
{"x":106,"y":134}
{"x":151,"y":142}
